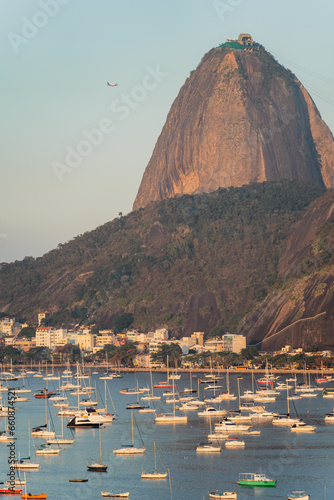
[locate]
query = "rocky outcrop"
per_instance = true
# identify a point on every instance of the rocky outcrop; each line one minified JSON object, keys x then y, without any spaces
{"x":300,"y":312}
{"x":239,"y":118}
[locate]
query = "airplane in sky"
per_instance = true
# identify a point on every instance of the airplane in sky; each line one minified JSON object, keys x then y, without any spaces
{"x":112,"y":84}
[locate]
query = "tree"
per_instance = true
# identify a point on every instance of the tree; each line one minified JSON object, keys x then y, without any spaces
{"x":249,"y":352}
{"x":95,"y":330}
{"x":173,"y":351}
{"x":40,"y":353}
{"x":27,"y":332}
{"x":122,"y":321}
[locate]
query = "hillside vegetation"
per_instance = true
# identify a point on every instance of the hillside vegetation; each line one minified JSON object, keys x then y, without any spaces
{"x":190,"y":263}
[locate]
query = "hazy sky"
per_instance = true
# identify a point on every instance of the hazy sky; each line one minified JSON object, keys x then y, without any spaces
{"x":73,"y":149}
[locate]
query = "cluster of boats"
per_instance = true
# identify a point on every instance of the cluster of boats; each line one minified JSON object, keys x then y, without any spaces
{"x":227,"y":430}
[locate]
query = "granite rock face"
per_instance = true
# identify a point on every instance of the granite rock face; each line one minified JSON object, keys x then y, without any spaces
{"x":239,"y":118}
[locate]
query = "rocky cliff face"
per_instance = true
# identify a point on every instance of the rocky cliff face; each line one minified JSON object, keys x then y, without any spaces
{"x":300,"y":312}
{"x":239,"y":118}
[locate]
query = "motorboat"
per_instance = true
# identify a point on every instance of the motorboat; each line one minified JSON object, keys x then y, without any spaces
{"x":208,"y":448}
{"x":300,"y":495}
{"x":329,"y":417}
{"x":255,"y":479}
{"x":211,"y":411}
{"x":43,"y":394}
{"x":26,"y":496}
{"x":234,"y":443}
{"x":135,"y":406}
{"x":111,"y":494}
{"x":83,"y":421}
{"x":231,"y":427}
{"x":10,"y":491}
{"x":226,"y":495}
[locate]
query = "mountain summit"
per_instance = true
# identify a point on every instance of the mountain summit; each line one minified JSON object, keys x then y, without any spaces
{"x":239,"y":118}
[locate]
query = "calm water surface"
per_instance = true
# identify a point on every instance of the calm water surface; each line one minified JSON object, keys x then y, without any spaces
{"x":298,"y":462}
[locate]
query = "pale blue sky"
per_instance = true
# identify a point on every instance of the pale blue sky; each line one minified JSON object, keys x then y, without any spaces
{"x":53,"y":88}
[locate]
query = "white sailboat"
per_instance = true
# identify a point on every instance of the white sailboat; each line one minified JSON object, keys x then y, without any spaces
{"x":25,"y":463}
{"x":98,"y":466}
{"x":130,"y":450}
{"x":155,"y":474}
{"x":42,"y":430}
{"x":171,"y":418}
{"x":151,"y":397}
{"x":285,"y":420}
{"x":47,"y":449}
{"x":60,"y":440}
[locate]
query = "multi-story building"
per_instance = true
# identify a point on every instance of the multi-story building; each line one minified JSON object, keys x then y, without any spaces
{"x":8,"y":326}
{"x":50,"y":337}
{"x":161,"y":334}
{"x":25,"y":344}
{"x":131,"y":335}
{"x":234,"y":343}
{"x":86,"y":341}
{"x":228,"y":343}
{"x":43,"y":315}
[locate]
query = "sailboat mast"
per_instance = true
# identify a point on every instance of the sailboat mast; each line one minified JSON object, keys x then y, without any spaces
{"x":133,"y":441}
{"x":100,"y":444}
{"x":170,"y":486}
{"x":155,"y":460}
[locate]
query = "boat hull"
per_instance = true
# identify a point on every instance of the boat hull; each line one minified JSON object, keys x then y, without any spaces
{"x":257,"y":483}
{"x":8,"y":491}
{"x":129,"y":451}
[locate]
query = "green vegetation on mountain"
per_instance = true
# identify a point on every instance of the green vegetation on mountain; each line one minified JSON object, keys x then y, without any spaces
{"x":190,"y":263}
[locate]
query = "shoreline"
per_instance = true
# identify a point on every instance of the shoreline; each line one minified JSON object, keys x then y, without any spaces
{"x":182,"y":370}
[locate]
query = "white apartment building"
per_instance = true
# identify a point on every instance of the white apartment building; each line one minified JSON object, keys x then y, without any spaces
{"x":50,"y":337}
{"x":8,"y":326}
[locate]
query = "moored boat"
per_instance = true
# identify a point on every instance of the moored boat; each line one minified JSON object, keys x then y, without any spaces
{"x":10,"y":491}
{"x":226,"y":495}
{"x":155,"y":474}
{"x":255,"y":479}
{"x":32,"y":495}
{"x":302,"y":427}
{"x":110,"y":494}
{"x":300,"y":495}
{"x":207,"y":448}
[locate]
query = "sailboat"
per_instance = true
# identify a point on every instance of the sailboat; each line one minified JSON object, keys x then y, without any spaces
{"x":171,"y":418}
{"x":60,"y":440}
{"x":190,"y":390}
{"x":133,"y":390}
{"x":151,"y":397}
{"x":42,"y":430}
{"x":227,"y":395}
{"x":47,"y":449}
{"x":130,"y":450}
{"x":107,"y":376}
{"x":285,"y":420}
{"x":50,"y":376}
{"x":31,"y":495}
{"x":6,"y":435}
{"x":98,"y":466}
{"x":165,"y":384}
{"x":25,"y":463}
{"x":155,"y":474}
